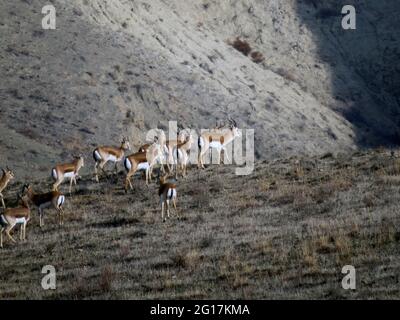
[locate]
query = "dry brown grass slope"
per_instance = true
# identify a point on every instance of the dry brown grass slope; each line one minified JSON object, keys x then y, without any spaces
{"x":285,"y":231}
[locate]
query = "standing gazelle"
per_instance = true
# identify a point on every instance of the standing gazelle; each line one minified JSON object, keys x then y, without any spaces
{"x":8,"y":175}
{"x":103,"y":154}
{"x":45,"y":200}
{"x":13,"y":216}
{"x":142,"y":161}
{"x":67,"y":170}
{"x":181,"y":156}
{"x":167,"y":193}
{"x":217,"y":139}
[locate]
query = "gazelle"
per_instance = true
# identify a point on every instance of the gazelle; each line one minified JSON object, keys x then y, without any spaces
{"x":7,"y":176}
{"x":217,"y":139}
{"x":181,"y":155}
{"x":67,"y":170}
{"x":167,"y":193}
{"x":45,"y":200}
{"x":142,"y":161}
{"x":104,"y":154}
{"x":13,"y":216}
{"x":169,"y":146}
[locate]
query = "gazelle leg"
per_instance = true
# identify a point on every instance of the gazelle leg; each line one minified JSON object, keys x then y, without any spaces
{"x":40,"y":217}
{"x":225,"y":155}
{"x":70,"y":185}
{"x":128,"y":181}
{"x":115,"y":167}
{"x":21,"y":232}
{"x":96,"y":172}
{"x":8,"y":230}
{"x":162,"y":210}
{"x":168,"y":208}
{"x":24,"y":225}
{"x":101,"y":165}
{"x":1,"y":237}
{"x":2,"y":201}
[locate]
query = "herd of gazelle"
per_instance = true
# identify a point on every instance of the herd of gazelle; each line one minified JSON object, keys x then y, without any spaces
{"x":172,"y":153}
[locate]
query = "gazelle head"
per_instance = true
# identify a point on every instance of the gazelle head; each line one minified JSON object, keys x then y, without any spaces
{"x":8,"y":174}
{"x":233,"y":127}
{"x":80,"y":161}
{"x":23,"y":200}
{"x":125,"y":145}
{"x":26,"y":188}
{"x":163,"y":179}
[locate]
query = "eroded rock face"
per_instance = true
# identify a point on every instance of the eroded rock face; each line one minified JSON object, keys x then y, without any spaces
{"x":123,"y":67}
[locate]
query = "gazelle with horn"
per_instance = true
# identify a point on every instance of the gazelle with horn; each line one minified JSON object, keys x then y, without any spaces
{"x":167,"y":193}
{"x":142,"y":161}
{"x":7,"y":176}
{"x":181,"y":155}
{"x":67,"y":170}
{"x":104,"y":154}
{"x":13,"y":216}
{"x":217,"y":139}
{"x":45,"y":200}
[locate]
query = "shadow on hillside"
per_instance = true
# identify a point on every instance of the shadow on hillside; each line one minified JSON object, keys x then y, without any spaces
{"x":364,"y":64}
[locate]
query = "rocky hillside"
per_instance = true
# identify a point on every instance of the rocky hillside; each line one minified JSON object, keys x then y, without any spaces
{"x":123,"y":67}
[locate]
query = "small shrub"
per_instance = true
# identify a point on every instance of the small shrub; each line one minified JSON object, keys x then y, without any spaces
{"x":242,"y":46}
{"x":257,"y":57}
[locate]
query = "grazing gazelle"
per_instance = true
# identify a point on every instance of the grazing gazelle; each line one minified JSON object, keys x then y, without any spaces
{"x":217,"y":139}
{"x":142,"y":161}
{"x":8,"y":175}
{"x":45,"y":200}
{"x":104,"y":154}
{"x":181,"y":156}
{"x":13,"y":216}
{"x":167,"y":193}
{"x":67,"y":170}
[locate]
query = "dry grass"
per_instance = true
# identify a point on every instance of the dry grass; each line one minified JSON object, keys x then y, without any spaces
{"x":285,"y":231}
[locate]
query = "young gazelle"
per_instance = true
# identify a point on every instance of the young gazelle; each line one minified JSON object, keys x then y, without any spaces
{"x":167,"y":193}
{"x":67,"y":170}
{"x":45,"y":200}
{"x":216,"y":139}
{"x":103,"y":154}
{"x":181,"y":155}
{"x":142,"y":161}
{"x":13,"y":216}
{"x":8,"y":175}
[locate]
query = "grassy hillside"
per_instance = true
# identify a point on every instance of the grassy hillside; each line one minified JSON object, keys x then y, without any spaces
{"x":285,"y":231}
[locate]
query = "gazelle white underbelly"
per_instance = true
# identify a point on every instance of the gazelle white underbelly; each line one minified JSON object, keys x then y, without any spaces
{"x":20,"y":220}
{"x":215,"y":145}
{"x":112,"y":158}
{"x":69,"y":174}
{"x":143,"y":166}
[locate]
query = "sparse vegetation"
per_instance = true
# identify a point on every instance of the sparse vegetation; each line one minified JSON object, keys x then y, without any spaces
{"x":242,"y":46}
{"x":287,"y":236}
